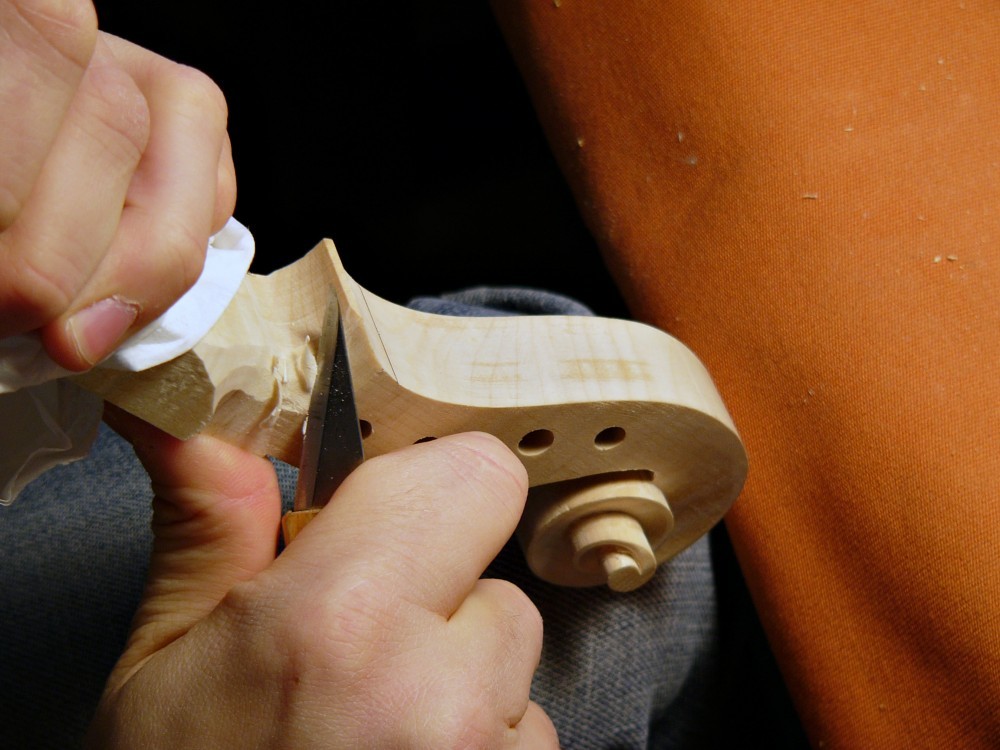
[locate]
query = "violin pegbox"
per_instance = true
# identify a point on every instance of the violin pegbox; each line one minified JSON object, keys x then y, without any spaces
{"x":630,"y":453}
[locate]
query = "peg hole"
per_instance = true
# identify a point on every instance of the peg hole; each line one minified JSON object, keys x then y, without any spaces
{"x":424,"y":439}
{"x":608,"y":438}
{"x":365,"y":427}
{"x":536,"y":442}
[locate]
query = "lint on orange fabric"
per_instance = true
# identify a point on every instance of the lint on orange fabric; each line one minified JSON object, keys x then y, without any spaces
{"x":808,"y":194}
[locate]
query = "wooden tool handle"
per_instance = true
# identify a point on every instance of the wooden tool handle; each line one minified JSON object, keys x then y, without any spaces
{"x":294,"y":521}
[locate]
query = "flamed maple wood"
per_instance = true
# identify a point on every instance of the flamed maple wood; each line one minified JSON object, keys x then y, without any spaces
{"x":629,"y":450}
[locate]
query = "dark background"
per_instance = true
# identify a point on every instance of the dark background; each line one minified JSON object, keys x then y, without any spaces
{"x":401,"y":131}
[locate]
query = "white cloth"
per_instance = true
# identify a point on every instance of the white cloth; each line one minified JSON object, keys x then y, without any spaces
{"x":48,"y":420}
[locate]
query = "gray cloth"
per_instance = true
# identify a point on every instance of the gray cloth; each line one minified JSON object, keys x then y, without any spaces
{"x":612,"y":664}
{"x":618,"y":671}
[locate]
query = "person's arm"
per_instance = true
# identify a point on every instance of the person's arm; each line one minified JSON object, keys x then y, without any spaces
{"x":806,"y":194}
{"x":114,"y":171}
{"x":371,"y":629}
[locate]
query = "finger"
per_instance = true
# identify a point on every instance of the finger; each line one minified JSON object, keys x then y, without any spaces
{"x":159,"y":249}
{"x":216,"y":513}
{"x":505,"y":630}
{"x":534,"y":732}
{"x":173,"y":196}
{"x":481,"y":666}
{"x":44,"y":50}
{"x":424,"y":522}
{"x":225,"y":192}
{"x":70,"y":220}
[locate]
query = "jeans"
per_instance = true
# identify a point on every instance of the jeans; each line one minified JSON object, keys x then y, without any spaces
{"x":651,"y":668}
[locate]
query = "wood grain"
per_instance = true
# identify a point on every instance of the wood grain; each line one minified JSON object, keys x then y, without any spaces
{"x":587,"y":404}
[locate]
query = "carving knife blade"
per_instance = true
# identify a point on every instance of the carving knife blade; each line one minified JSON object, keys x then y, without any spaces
{"x":332,"y":445}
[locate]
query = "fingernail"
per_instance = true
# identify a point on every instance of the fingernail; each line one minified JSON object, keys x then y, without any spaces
{"x":97,"y":329}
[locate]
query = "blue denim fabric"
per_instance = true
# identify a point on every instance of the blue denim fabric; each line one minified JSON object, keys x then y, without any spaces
{"x":619,"y":671}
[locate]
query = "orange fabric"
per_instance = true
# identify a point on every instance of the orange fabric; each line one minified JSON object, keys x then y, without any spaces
{"x":808,"y":194}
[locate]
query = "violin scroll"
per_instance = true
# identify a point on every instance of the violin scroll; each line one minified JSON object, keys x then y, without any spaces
{"x":630,"y":453}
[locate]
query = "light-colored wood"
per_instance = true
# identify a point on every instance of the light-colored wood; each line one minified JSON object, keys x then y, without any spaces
{"x":614,"y":411}
{"x":589,"y":531}
{"x":294,"y":521}
{"x":619,"y":543}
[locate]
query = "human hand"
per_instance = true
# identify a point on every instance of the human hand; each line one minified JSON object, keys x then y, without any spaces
{"x":371,"y":629}
{"x":115,"y":169}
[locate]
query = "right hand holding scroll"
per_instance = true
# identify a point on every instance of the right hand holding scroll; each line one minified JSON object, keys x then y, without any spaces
{"x":372,"y":629}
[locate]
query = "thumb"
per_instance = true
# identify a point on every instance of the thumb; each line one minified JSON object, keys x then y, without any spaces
{"x":216,"y":511}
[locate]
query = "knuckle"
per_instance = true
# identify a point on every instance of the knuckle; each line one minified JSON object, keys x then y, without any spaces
{"x":358,"y":617}
{"x":199,"y":94}
{"x":117,"y":113}
{"x":225,"y":192}
{"x":521,"y":610}
{"x":69,"y":27}
{"x":518,"y":624}
{"x":461,"y":713}
{"x":471,"y":723}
